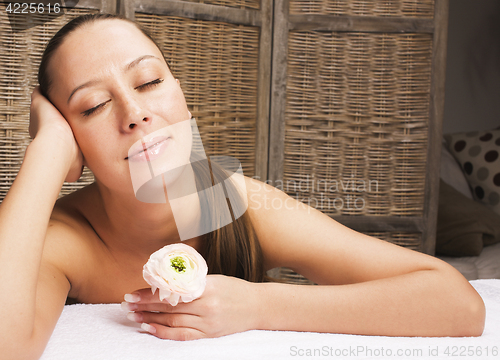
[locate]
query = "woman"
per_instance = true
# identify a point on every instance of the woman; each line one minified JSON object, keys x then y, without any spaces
{"x":109,"y":86}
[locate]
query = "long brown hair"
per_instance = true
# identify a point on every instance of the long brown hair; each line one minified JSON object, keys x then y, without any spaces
{"x":231,"y":250}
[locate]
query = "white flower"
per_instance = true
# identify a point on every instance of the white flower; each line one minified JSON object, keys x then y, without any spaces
{"x":178,"y":271}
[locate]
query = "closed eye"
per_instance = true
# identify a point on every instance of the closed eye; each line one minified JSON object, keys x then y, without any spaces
{"x":149,"y":84}
{"x":145,"y":86}
{"x":94,"y":109}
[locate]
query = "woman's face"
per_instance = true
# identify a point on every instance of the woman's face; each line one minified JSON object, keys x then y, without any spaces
{"x":114,"y":88}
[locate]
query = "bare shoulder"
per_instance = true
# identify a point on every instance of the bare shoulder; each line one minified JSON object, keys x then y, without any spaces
{"x":279,"y":221}
{"x":265,"y":200}
{"x":68,"y":216}
{"x":261,"y":194}
{"x":68,"y":245}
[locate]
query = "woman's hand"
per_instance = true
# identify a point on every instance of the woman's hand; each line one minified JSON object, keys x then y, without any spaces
{"x":228,"y":305}
{"x":46,"y":119}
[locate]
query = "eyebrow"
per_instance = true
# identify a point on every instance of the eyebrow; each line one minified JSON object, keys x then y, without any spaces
{"x":127,"y":68}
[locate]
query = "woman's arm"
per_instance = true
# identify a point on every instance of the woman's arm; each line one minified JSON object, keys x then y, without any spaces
{"x":33,"y":291}
{"x":382,"y":289}
{"x":367,"y":286}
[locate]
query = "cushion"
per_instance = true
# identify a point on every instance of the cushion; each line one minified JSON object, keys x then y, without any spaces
{"x":485,"y":266}
{"x":452,"y":173}
{"x":479,"y":155}
{"x":464,"y":226}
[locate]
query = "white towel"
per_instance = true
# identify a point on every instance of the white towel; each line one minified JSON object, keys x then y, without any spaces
{"x":89,"y":332}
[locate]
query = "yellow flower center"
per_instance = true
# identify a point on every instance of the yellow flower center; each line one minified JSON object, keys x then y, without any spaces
{"x":178,"y":264}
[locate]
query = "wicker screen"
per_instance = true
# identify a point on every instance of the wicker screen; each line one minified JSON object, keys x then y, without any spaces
{"x":217,"y":65}
{"x":357,"y":120}
{"x":20,"y":52}
{"x":359,"y":114}
{"x":240,"y":4}
{"x":394,"y":8}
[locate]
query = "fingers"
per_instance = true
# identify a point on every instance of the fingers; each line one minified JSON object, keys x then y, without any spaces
{"x":161,"y":319}
{"x":33,"y":126}
{"x":142,"y":296}
{"x":42,"y":112}
{"x":157,"y":306}
{"x":145,"y":300}
{"x":36,"y":91}
{"x":173,"y":333}
{"x":170,"y":320}
{"x":36,"y":95}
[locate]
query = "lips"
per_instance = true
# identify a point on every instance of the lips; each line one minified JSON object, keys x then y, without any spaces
{"x":148,"y":150}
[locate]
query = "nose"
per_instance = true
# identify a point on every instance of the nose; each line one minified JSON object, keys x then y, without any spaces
{"x":134,"y":124}
{"x":135,"y":116}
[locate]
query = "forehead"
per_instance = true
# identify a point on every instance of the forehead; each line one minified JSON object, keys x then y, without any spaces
{"x":96,"y":49}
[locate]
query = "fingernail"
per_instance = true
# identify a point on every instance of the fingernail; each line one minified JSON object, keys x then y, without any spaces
{"x":148,"y":328}
{"x":132,"y":316}
{"x":128,"y":306}
{"x":132,"y":298}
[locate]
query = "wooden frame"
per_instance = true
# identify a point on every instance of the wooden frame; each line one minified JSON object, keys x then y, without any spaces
{"x":435,"y":124}
{"x":104,"y":6}
{"x":283,"y":23}
{"x":259,"y":18}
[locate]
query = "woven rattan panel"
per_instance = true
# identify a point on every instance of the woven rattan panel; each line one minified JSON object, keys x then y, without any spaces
{"x":357,"y":120}
{"x":217,"y":66}
{"x":20,"y":53}
{"x":410,"y":240}
{"x":397,"y":8}
{"x":241,"y":4}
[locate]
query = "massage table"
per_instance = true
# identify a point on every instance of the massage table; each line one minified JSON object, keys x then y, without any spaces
{"x":93,"y":332}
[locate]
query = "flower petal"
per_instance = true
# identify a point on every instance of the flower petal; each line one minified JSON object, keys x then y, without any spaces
{"x":185,"y":285}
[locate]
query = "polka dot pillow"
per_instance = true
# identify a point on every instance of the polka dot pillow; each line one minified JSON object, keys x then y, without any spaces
{"x":478,"y":154}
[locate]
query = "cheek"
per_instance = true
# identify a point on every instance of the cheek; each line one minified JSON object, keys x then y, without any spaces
{"x":95,"y":144}
{"x":171,"y":105}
